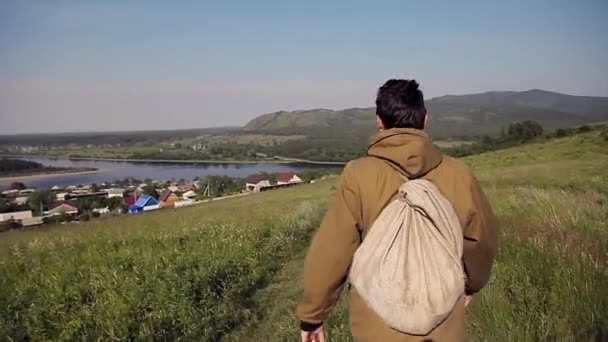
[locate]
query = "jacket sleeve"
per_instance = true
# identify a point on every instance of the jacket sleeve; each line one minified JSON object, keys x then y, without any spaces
{"x":479,"y":248}
{"x":331,"y":252}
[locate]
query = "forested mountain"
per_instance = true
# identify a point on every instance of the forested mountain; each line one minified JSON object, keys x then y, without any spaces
{"x":451,"y":116}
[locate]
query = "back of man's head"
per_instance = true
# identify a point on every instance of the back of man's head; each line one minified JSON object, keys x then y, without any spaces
{"x":400,"y":104}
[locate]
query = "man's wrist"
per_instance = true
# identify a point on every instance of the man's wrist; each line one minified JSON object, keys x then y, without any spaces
{"x":309,"y":327}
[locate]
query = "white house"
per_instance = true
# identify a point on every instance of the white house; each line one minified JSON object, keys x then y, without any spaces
{"x":255,"y":183}
{"x":114,"y":192}
{"x":61,"y":196}
{"x":21,"y":200}
{"x":17,"y":215}
{"x":30,"y":222}
{"x":101,"y":211}
{"x":151,"y":207}
{"x":189,"y":195}
{"x":288,"y":178}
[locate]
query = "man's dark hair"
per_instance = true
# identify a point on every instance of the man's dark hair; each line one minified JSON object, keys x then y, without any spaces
{"x":400,"y":104}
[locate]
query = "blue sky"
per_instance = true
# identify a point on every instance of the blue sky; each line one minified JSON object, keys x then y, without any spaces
{"x":121,"y":65}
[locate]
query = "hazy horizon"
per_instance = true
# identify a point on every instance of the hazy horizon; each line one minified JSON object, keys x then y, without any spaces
{"x":119,"y":131}
{"x":111,"y":66}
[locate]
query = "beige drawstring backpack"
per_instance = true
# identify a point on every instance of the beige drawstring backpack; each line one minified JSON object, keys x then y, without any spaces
{"x":408,"y":268}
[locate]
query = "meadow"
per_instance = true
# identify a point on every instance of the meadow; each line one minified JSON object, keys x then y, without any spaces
{"x":187,"y":273}
{"x":550,"y":279}
{"x":231,"y":270}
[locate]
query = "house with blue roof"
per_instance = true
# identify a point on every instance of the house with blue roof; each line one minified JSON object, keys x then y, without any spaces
{"x":143,"y":203}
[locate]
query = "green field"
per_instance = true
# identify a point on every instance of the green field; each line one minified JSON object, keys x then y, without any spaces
{"x":179,"y":148}
{"x":451,"y":143}
{"x":231,"y":269}
{"x":256,"y":139}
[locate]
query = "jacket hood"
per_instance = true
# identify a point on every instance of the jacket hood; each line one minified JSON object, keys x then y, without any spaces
{"x":410,"y":149}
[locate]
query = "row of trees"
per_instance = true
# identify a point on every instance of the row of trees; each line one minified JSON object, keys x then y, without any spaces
{"x":215,"y":186}
{"x":40,"y":201}
{"x":8,"y":165}
{"x":515,"y":134}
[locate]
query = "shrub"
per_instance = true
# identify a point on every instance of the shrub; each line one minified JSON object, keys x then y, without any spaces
{"x":584,"y":129}
{"x":561,"y":133}
{"x":604,"y":133}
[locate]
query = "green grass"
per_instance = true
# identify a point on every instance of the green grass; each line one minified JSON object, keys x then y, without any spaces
{"x":186,"y":273}
{"x":550,"y":280}
{"x":255,"y":139}
{"x":231,"y":270}
{"x":451,"y":143}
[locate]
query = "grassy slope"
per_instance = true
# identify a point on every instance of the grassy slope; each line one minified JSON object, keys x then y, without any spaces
{"x":135,"y":275}
{"x":550,"y":279}
{"x":162,"y":275}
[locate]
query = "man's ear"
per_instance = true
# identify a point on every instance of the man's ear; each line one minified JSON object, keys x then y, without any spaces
{"x":426,"y":121}
{"x":379,"y":123}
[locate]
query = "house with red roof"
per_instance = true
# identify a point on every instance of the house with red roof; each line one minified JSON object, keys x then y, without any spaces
{"x":255,"y":183}
{"x":288,"y":178}
{"x":129,"y":200}
{"x":190,"y":186}
{"x":60,"y":207}
{"x":167,"y":199}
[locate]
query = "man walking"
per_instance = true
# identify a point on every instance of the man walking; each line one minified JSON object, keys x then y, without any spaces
{"x":365,"y":188}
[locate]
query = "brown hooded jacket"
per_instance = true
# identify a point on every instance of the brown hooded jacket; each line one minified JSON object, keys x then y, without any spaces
{"x":366,"y":186}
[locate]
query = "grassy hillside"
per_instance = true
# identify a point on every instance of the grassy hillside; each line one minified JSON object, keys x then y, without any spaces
{"x":231,"y":269}
{"x":186,"y":273}
{"x":587,"y":106}
{"x":451,"y":116}
{"x":550,"y":279}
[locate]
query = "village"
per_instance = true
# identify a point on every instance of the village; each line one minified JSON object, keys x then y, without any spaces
{"x":26,"y":207}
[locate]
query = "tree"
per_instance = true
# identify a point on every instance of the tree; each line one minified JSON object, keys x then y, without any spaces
{"x":220,"y":185}
{"x":525,"y":130}
{"x":503,"y":134}
{"x":17,"y":186}
{"x":561,"y":133}
{"x":271,"y":176}
{"x":4,"y":206}
{"x":487,"y":140}
{"x":40,"y":200}
{"x":94,"y":187}
{"x":114,"y":203}
{"x":150,"y":190}
{"x":85,"y":217}
{"x":584,"y":129}
{"x":604,"y":133}
{"x":63,"y":217}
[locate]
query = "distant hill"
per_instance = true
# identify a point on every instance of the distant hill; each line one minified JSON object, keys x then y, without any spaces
{"x":451,"y":116}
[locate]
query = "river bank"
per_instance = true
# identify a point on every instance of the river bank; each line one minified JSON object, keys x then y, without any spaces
{"x":164,"y":170}
{"x":276,"y":160}
{"x":46,"y":174}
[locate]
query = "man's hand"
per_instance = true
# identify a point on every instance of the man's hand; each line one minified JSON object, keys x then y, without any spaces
{"x":467,"y":300}
{"x":313,"y":336}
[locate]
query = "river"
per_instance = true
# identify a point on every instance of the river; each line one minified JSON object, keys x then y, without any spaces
{"x":116,"y":170}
